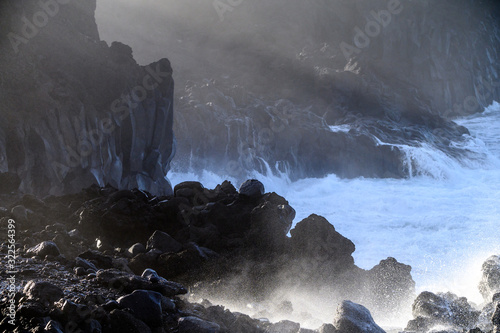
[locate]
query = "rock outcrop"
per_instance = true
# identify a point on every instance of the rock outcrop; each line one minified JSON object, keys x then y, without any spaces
{"x":317,"y":95}
{"x":445,"y":310}
{"x":389,"y":280}
{"x":325,"y":252}
{"x":489,"y":287}
{"x":490,"y":281}
{"x":76,"y":111}
{"x":224,"y":242}
{"x":355,"y":318}
{"x":310,"y":90}
{"x":217,"y":242}
{"x":66,"y":278}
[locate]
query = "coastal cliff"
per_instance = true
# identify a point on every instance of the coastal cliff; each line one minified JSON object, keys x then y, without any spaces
{"x":76,"y":111}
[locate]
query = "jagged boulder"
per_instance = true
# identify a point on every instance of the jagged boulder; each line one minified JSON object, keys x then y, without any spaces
{"x":270,"y":223}
{"x":316,"y":244}
{"x":495,"y":319}
{"x":97,"y":258}
{"x":145,"y":305}
{"x":327,"y":328}
{"x":490,"y":281}
{"x":136,"y":249}
{"x":392,"y":282}
{"x":194,"y":191}
{"x":43,"y":291}
{"x":128,"y":282}
{"x":355,"y":318}
{"x":162,"y":241}
{"x":444,"y":309}
{"x":252,"y":188}
{"x":122,"y":321}
{"x":484,"y":321}
{"x":122,"y":218}
{"x":172,"y":265}
{"x":44,"y":249}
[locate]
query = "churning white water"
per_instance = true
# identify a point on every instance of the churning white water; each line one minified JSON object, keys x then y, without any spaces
{"x":444,"y":223}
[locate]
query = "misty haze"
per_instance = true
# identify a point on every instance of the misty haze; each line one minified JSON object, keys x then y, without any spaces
{"x":250,"y":166}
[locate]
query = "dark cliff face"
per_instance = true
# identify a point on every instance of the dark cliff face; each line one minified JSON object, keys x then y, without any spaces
{"x":442,"y":54}
{"x":263,"y":81}
{"x":76,"y":111}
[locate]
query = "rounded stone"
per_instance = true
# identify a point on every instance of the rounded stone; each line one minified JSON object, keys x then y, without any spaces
{"x":252,"y":188}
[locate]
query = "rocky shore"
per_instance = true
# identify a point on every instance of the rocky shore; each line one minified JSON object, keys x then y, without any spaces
{"x":283,"y":96}
{"x":138,"y":256}
{"x":105,"y":260}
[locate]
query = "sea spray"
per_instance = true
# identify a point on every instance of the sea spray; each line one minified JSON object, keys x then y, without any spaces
{"x":442,"y":222}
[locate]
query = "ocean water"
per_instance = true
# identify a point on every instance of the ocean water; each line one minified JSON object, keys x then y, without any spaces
{"x":444,"y":223}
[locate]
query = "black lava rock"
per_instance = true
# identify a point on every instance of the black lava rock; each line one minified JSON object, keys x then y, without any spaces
{"x":193,"y":324}
{"x":145,"y":305}
{"x":124,"y":322}
{"x":43,"y":291}
{"x":355,"y":318}
{"x":164,"y":242}
{"x":252,"y":188}
{"x":44,"y":249}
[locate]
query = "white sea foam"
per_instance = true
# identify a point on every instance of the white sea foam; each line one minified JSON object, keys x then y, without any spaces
{"x":444,"y":222}
{"x":340,"y":128}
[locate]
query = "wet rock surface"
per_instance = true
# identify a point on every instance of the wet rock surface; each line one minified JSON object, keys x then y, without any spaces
{"x":315,"y":237}
{"x":447,"y":312}
{"x":194,"y":324}
{"x":225,"y":244}
{"x":42,"y":291}
{"x":392,"y":281}
{"x":44,"y":249}
{"x":100,"y":287}
{"x":163,"y":242}
{"x":442,"y":310}
{"x":145,"y":305}
{"x":252,"y":188}
{"x":355,"y":318}
{"x":490,"y":281}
